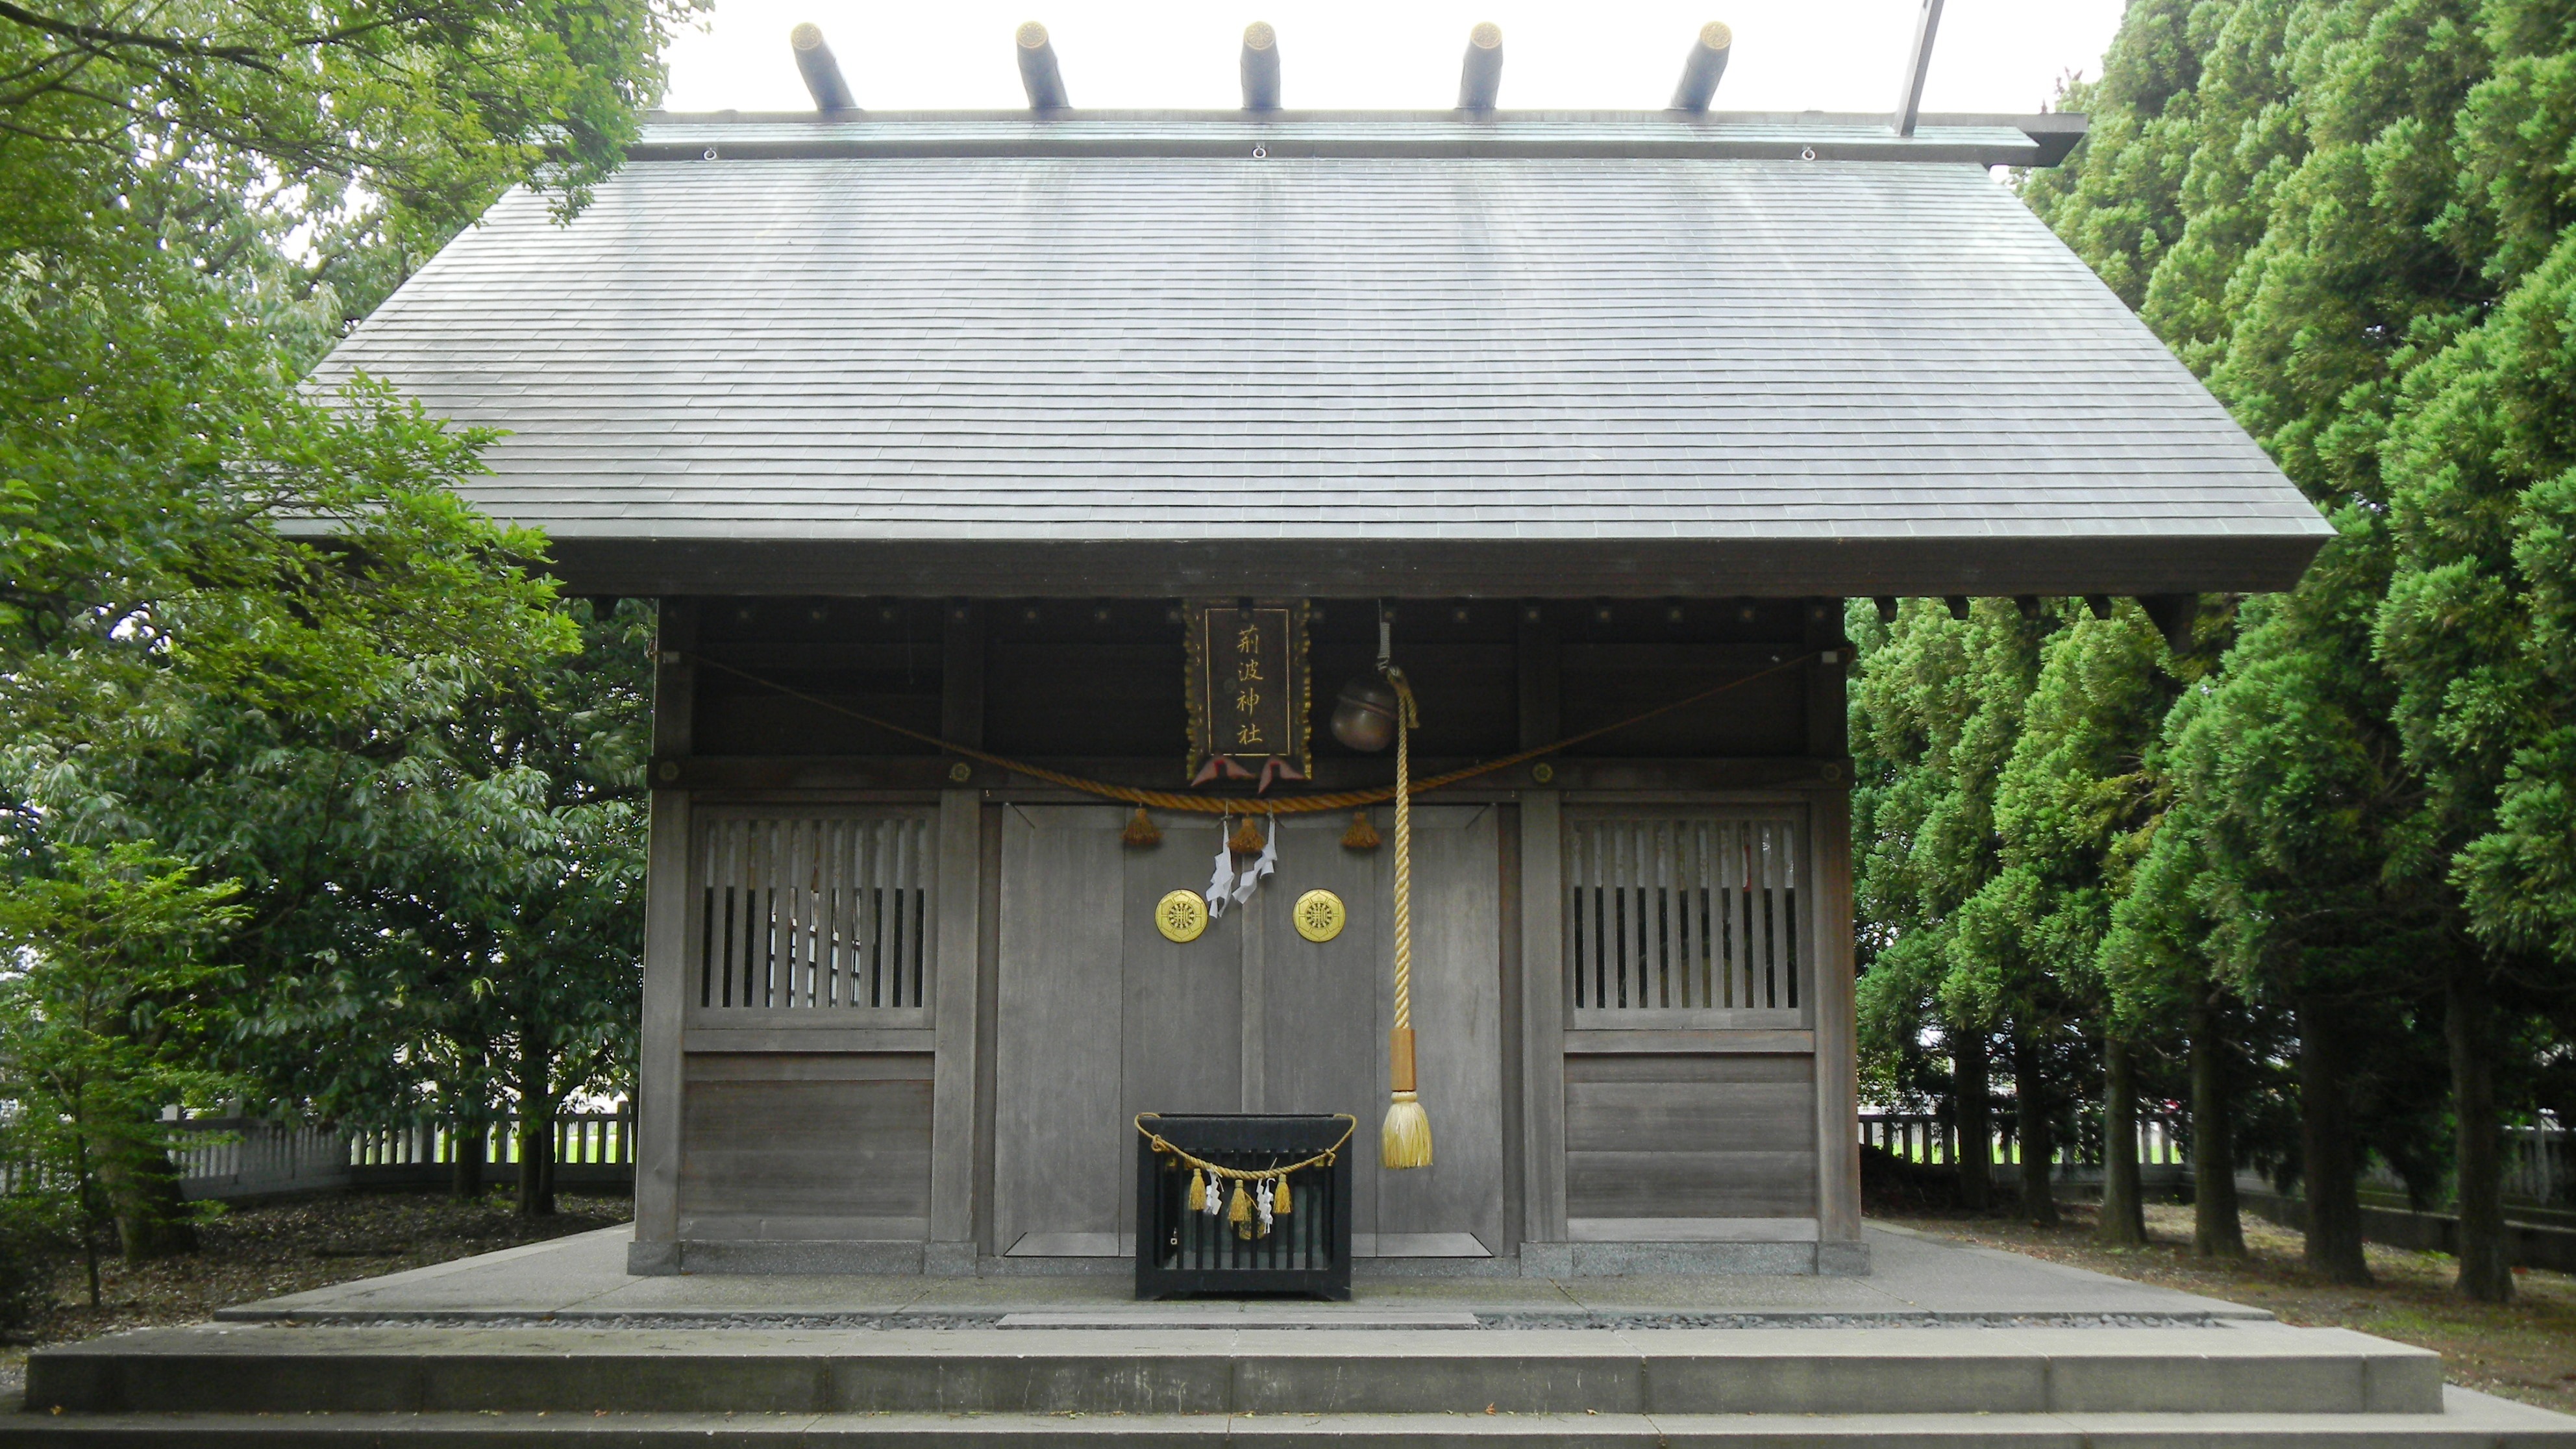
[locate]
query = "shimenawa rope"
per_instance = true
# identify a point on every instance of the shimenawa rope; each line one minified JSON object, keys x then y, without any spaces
{"x":1325,"y":1158}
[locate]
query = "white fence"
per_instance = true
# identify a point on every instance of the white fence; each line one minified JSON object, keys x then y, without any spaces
{"x":2539,"y":1163}
{"x":245,"y":1157}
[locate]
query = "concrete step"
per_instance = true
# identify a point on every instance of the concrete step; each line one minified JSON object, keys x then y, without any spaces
{"x":2467,"y":1421}
{"x":272,"y":1369}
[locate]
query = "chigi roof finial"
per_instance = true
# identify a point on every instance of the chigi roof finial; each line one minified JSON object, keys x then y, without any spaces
{"x":822,"y":73}
{"x":1480,"y":79}
{"x":1260,"y":67}
{"x":1038,"y":72}
{"x":1700,"y":72}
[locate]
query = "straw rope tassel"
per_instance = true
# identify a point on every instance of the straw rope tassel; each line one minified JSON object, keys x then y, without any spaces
{"x":1405,"y":1140}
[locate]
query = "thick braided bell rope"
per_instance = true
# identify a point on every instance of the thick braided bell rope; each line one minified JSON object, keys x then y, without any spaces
{"x":1403,"y":851}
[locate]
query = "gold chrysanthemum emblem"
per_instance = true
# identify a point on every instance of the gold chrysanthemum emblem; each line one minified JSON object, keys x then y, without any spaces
{"x":1319,"y":916}
{"x":1180,"y":916}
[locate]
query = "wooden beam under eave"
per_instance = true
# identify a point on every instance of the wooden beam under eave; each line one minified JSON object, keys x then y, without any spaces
{"x":921,"y":778}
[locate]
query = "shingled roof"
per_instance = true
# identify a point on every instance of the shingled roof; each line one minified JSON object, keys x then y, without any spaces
{"x":1579,"y":355}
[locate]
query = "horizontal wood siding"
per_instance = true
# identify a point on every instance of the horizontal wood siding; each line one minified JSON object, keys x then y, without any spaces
{"x":805,"y":1146}
{"x":1689,"y":1136}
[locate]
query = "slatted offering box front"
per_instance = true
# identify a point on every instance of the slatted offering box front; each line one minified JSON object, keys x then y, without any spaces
{"x":1306,"y":1249}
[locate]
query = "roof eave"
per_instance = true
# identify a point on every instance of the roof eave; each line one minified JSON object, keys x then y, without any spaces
{"x":1839,"y":567}
{"x":1977,"y":139}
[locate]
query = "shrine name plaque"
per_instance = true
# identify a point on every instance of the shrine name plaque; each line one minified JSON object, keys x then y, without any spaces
{"x":1250,"y":688}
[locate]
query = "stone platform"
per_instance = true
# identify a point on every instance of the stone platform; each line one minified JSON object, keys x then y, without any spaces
{"x":554,"y":1344}
{"x":1915,"y":1280}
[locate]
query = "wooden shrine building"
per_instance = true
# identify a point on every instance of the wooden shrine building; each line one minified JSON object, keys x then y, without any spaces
{"x":942,"y":439}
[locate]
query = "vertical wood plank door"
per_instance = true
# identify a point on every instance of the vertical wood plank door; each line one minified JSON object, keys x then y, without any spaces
{"x":1322,"y":1048}
{"x":1099,"y":1018}
{"x":1454,"y":1208}
{"x":1058,"y":1023}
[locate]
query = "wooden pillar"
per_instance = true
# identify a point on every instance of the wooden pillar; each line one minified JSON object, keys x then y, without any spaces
{"x":1542,"y":960}
{"x":661,"y":1063}
{"x":1838,"y":1248}
{"x":960,"y":900}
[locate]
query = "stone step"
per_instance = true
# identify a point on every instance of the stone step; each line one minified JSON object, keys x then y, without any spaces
{"x":288,"y":1370}
{"x":2467,"y":1421}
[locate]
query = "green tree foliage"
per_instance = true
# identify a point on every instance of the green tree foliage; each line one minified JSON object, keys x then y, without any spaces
{"x":249,"y":628}
{"x":1936,"y":713}
{"x":109,"y":999}
{"x":2356,"y":220}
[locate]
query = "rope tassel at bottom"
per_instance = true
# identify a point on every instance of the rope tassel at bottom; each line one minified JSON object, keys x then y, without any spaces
{"x":1405,"y":1141}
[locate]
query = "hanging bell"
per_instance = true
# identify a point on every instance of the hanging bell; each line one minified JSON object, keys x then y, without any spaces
{"x":1364,"y":715}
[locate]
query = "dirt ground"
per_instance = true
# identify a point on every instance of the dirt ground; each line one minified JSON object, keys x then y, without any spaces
{"x":263,"y":1252}
{"x":2522,"y":1350}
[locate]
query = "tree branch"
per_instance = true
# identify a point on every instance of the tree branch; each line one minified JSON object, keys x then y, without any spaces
{"x":101,"y":36}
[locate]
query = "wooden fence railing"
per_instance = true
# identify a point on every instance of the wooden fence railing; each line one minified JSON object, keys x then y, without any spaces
{"x":245,"y":1157}
{"x":2539,"y":1164}
{"x":1932,"y":1140}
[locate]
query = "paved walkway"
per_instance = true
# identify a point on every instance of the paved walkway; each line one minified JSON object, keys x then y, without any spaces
{"x":584,"y":1277}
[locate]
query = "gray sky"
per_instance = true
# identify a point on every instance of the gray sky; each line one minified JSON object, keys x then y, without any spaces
{"x":1993,"y":55}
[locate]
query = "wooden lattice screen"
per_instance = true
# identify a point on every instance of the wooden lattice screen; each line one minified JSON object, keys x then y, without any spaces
{"x":813,"y":912}
{"x":1684,"y":913}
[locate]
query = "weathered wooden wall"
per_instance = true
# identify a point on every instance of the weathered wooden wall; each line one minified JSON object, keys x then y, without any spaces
{"x":935,"y":1120}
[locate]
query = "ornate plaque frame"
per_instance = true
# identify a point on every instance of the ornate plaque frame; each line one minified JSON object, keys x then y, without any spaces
{"x":1211,"y":683}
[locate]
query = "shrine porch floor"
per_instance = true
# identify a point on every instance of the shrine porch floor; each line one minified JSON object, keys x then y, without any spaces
{"x":1914,"y":1280}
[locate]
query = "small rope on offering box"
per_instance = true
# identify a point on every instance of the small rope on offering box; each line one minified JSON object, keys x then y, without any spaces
{"x":1260,"y":1193}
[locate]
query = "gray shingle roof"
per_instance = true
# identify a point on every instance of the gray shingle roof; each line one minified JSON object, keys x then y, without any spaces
{"x":1522,"y":374}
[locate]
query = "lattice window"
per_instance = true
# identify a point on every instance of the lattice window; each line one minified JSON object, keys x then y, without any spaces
{"x":813,"y":912}
{"x":1684,"y":913}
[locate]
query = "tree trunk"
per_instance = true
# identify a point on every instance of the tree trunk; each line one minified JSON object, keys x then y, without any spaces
{"x":2332,"y":1165}
{"x":142,"y":1190}
{"x":1971,"y":1107}
{"x":2123,"y":1222}
{"x":2216,"y":1230}
{"x":536,"y":1134}
{"x":468,"y":1142}
{"x":2486,"y":1270}
{"x":2038,"y":1144}
{"x":536,"y":1159}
